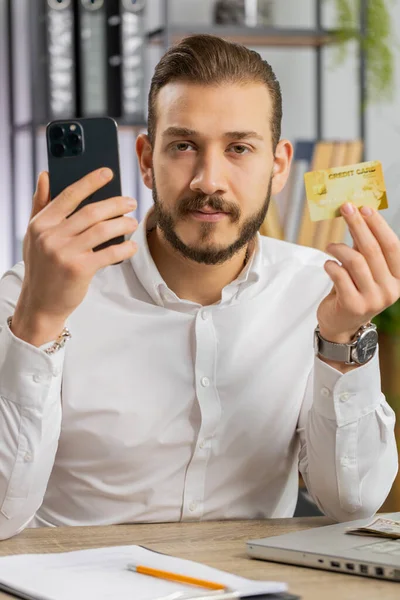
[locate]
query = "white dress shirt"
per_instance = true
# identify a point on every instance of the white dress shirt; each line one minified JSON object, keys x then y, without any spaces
{"x":160,"y":409}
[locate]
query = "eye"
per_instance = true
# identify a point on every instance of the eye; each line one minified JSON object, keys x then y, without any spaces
{"x":182,"y":146}
{"x":240,"y":149}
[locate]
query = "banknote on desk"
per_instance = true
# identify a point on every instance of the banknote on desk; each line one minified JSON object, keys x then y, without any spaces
{"x":379,"y":527}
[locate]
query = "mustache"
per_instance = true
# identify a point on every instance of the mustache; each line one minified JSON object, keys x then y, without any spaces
{"x":201,"y":201}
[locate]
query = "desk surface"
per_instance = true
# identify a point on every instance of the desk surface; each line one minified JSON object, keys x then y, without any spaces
{"x":218,"y":544}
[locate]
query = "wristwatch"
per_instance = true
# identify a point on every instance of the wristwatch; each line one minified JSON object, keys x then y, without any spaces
{"x":358,"y":352}
{"x":58,"y":343}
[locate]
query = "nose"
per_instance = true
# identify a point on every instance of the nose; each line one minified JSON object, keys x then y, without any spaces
{"x":209,"y":178}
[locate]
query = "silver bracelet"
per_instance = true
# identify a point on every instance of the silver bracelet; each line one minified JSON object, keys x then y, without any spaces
{"x":58,"y":344}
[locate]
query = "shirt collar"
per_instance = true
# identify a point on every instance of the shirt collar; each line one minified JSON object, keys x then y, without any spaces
{"x":149,"y":276}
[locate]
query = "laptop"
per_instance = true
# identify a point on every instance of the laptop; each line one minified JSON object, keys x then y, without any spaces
{"x":332,"y":549}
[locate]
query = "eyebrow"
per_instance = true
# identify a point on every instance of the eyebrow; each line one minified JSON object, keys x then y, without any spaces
{"x":185,"y":132}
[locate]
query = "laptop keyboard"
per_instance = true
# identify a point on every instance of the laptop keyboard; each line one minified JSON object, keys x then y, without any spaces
{"x":386,"y":547}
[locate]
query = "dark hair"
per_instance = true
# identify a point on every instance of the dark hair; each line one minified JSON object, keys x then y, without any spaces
{"x":211,"y":60}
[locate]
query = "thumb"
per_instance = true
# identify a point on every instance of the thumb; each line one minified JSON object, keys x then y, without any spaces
{"x":41,"y":197}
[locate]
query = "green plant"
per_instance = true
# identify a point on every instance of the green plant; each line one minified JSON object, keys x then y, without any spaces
{"x":377,"y":42}
{"x":388,"y":321}
{"x":388,"y":325}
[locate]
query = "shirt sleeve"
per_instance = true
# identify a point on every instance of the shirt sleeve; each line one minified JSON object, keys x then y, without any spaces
{"x":348,"y":455}
{"x":30,"y":416}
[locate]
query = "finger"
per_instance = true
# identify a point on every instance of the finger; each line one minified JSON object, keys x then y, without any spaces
{"x":356,"y":266}
{"x":96,"y":212}
{"x":344,"y":285}
{"x":111,"y":255}
{"x":70,"y":198}
{"x":41,"y":197}
{"x":368,"y":245}
{"x":387,"y":238}
{"x":102,"y":232}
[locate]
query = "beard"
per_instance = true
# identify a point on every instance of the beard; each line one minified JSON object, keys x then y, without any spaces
{"x":207,"y":254}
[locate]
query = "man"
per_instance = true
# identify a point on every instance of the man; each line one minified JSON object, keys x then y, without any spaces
{"x":190,"y":388}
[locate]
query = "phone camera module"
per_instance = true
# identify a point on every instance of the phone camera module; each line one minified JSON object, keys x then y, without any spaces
{"x":58,"y":150}
{"x":57,"y":132}
{"x":74,"y":139}
{"x":66,"y":139}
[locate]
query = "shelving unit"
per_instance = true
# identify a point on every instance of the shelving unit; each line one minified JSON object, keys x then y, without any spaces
{"x":316,"y":38}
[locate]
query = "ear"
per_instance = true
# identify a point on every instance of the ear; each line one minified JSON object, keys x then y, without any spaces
{"x":282,"y":161}
{"x":144,"y":153}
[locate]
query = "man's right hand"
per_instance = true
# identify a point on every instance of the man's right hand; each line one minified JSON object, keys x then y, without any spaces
{"x":58,"y":256}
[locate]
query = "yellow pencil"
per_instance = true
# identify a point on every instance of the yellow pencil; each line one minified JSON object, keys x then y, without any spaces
{"x":175,"y":577}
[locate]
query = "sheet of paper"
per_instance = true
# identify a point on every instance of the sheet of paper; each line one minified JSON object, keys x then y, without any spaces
{"x":102,"y":574}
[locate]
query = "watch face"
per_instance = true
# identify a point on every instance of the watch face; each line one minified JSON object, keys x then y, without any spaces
{"x":366,"y":346}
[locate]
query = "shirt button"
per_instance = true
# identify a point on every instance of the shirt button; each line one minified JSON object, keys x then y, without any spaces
{"x":57,"y":372}
{"x":37,"y":378}
{"x":202,"y":444}
{"x":343,"y":397}
{"x":27,"y":457}
{"x":192,"y":506}
{"x":345,"y":461}
{"x":325,"y":392}
{"x":205,"y":382}
{"x":205,"y":315}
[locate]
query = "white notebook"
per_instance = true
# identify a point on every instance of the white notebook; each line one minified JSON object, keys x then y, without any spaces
{"x":102,"y":574}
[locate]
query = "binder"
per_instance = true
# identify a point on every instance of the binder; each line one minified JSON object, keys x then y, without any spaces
{"x":55,"y":93}
{"x":99,"y":57}
{"x":132,"y":63}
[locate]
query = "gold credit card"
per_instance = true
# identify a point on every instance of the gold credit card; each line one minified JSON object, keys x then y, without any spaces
{"x":362,"y":184}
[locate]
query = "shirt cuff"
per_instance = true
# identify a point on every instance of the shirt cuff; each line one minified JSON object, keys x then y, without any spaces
{"x":26,"y":372}
{"x":346,"y":397}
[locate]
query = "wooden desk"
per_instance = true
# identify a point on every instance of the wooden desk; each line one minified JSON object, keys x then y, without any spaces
{"x":218,"y":544}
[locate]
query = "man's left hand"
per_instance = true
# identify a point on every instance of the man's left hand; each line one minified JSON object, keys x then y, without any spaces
{"x":368,"y":279}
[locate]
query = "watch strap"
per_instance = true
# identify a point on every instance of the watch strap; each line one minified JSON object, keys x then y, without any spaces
{"x":333,"y":351}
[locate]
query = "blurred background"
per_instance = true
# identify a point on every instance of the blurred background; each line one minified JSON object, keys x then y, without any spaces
{"x":338,"y":63}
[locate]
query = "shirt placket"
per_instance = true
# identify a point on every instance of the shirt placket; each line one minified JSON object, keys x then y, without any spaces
{"x":210,"y":410}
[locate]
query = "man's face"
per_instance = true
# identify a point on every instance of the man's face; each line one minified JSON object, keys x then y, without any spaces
{"x":212,"y":167}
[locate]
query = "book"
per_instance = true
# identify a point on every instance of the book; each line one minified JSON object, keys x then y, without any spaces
{"x":271,"y":226}
{"x":323,"y":229}
{"x":285,"y":208}
{"x":103,"y":573}
{"x":322,"y":157}
{"x":294,"y":190}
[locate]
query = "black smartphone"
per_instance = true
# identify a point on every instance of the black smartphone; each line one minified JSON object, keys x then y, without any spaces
{"x":75,"y":147}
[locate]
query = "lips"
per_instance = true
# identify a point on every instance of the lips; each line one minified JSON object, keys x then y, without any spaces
{"x":211,"y":216}
{"x":210,"y":211}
